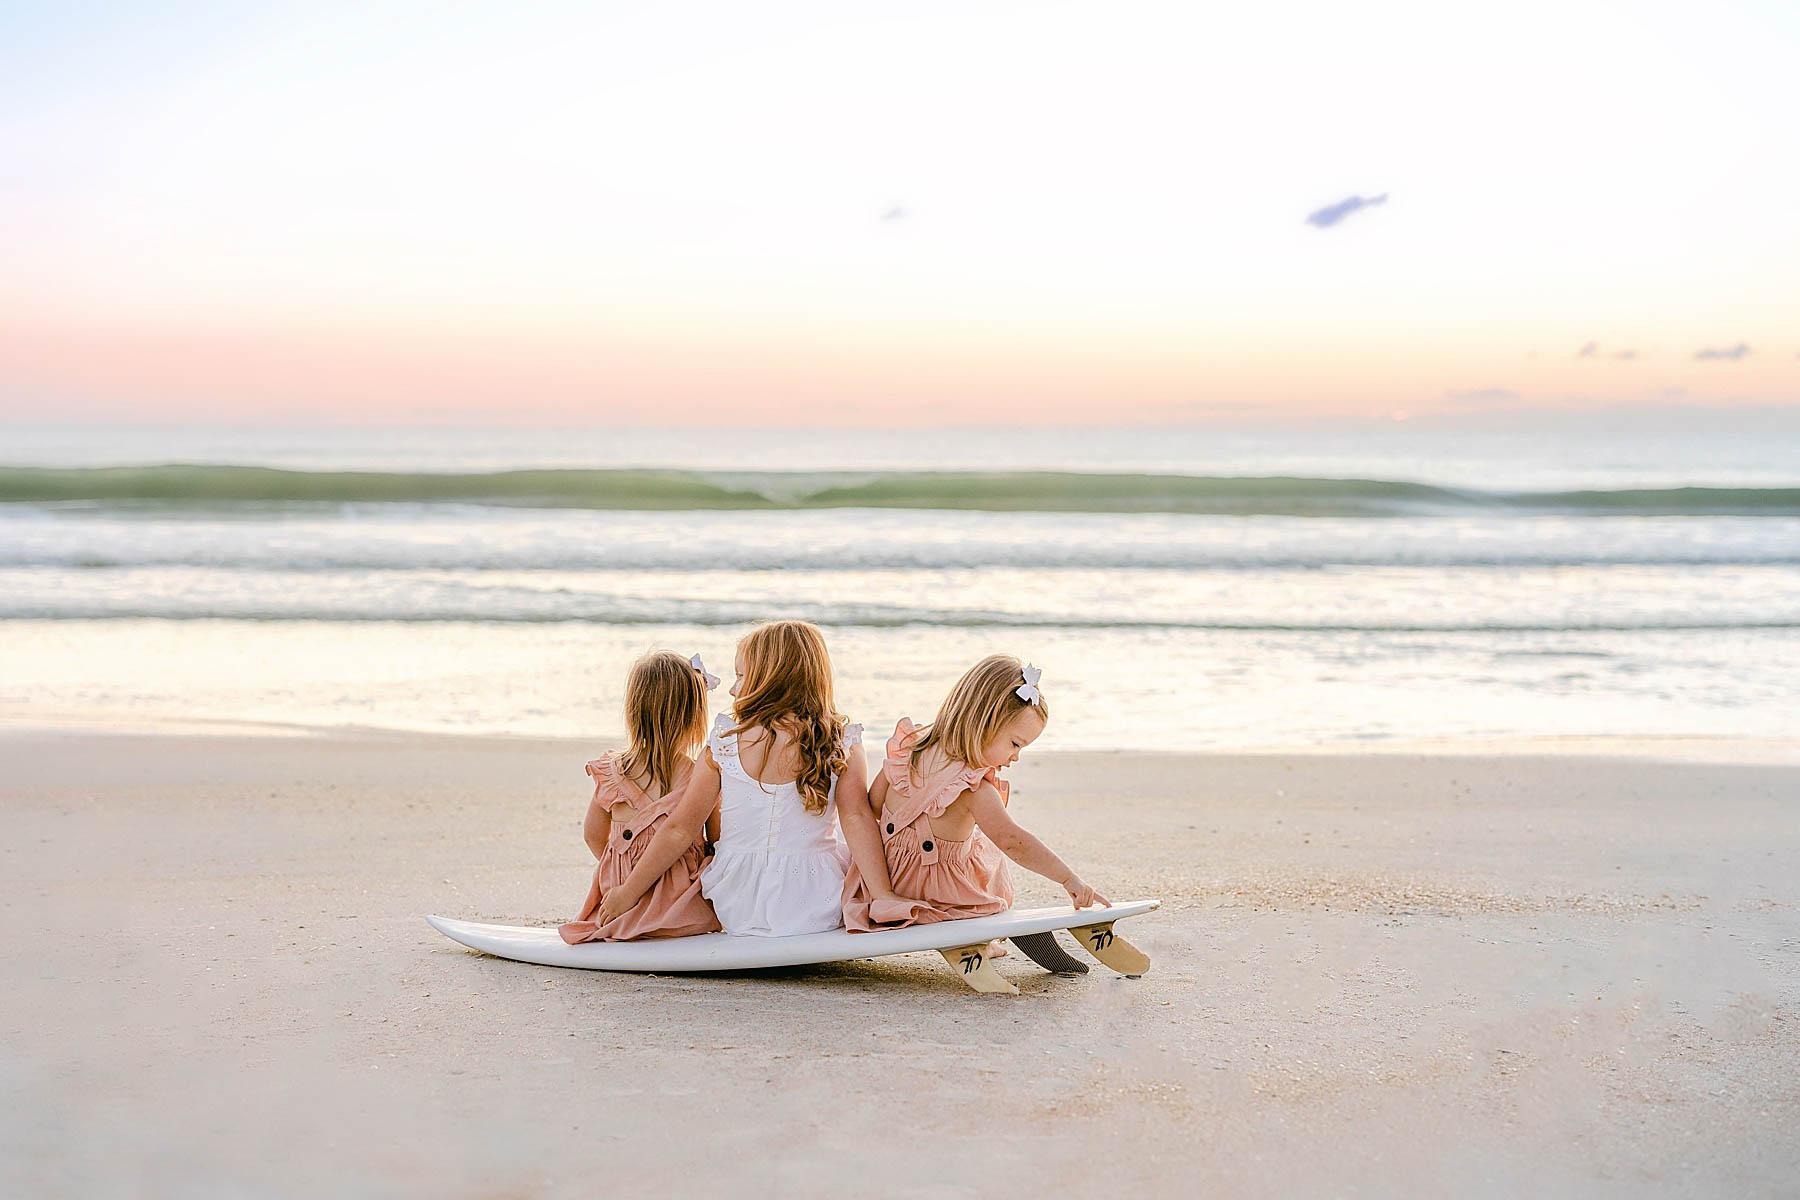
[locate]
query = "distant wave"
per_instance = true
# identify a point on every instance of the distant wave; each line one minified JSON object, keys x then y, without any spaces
{"x":1025,"y":491}
{"x":240,"y":485}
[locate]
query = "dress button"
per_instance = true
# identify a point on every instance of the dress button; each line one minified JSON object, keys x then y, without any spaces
{"x":890,"y":827}
{"x":628,"y":835}
{"x":925,"y":846}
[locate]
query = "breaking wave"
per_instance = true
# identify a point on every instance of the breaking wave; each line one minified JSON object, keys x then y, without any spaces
{"x":1023,"y":491}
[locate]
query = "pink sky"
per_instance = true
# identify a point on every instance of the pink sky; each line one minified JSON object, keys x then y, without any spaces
{"x":698,"y":375}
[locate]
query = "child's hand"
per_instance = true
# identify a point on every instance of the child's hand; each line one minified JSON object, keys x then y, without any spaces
{"x":612,"y":907}
{"x":1081,"y":895}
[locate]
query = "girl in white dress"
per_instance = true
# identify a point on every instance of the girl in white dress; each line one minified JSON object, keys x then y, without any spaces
{"x":784,"y":769}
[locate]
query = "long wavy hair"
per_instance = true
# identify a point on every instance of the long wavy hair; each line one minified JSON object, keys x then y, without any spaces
{"x":665,"y":716}
{"x":786,"y":684}
{"x":983,"y":700}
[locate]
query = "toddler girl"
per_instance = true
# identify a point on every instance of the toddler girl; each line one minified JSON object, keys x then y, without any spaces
{"x":777,"y":768}
{"x":634,"y":792}
{"x":943,"y":819}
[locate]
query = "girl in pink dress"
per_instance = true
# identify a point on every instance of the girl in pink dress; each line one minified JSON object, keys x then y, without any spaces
{"x":634,"y":792}
{"x":942,"y":807}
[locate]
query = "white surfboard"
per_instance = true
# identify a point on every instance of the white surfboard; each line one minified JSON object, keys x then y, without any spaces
{"x":962,"y":943}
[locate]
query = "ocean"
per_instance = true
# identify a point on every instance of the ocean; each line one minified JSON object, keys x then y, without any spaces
{"x":1182,"y":590}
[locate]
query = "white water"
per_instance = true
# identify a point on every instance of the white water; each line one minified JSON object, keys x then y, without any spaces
{"x":1156,"y":630}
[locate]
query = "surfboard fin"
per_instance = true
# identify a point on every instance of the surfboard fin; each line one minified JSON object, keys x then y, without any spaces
{"x":1111,"y":949}
{"x":972,"y":965}
{"x":1042,"y":949}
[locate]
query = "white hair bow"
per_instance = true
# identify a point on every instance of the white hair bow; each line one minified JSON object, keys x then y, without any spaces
{"x":1028,"y":691}
{"x":712,"y":681}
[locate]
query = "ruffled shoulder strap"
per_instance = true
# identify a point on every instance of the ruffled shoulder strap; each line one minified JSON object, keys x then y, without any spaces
{"x":722,"y":741}
{"x":912,"y":795}
{"x":612,"y":784}
{"x":852,"y":736}
{"x":900,"y":745}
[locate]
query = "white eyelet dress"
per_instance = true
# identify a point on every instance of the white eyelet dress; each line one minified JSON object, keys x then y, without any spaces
{"x":777,"y":870}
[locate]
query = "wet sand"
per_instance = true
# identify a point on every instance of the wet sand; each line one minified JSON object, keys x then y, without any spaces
{"x":1568,"y":974}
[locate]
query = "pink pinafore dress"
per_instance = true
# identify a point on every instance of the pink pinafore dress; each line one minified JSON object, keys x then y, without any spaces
{"x":673,"y":907}
{"x":967,"y":878}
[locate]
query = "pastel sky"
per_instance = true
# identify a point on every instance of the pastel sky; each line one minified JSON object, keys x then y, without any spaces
{"x":872,"y":214}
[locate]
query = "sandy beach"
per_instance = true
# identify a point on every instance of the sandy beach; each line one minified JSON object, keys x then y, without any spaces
{"x":1385,"y":469}
{"x":1443,"y":972}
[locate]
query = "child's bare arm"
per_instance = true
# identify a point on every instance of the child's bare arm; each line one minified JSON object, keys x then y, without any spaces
{"x":853,"y":803}
{"x":1018,"y":844}
{"x":598,"y":825}
{"x":684,"y":827}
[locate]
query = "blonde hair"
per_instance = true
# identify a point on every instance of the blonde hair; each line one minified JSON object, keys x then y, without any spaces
{"x":787,"y":681}
{"x":981,"y":703}
{"x":665,"y":716}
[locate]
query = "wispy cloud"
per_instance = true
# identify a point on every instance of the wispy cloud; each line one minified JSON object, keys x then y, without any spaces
{"x":1331,"y":214}
{"x":1588,"y":351}
{"x":895,"y":213}
{"x":1483,"y":396}
{"x":1728,"y":353}
{"x":1625,"y":355}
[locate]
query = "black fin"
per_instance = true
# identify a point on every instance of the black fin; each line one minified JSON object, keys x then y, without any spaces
{"x":1041,"y":948}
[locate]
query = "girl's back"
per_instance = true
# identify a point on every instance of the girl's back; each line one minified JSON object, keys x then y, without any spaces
{"x":635,"y":793}
{"x":945,"y":830}
{"x":777,"y":869}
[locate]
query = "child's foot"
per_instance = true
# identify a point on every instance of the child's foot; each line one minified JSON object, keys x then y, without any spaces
{"x":997,"y":949}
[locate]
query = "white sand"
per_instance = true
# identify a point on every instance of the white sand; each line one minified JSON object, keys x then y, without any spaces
{"x":1565,"y":974}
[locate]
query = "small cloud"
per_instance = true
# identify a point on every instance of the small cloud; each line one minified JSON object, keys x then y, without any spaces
{"x":1331,"y":214}
{"x":1483,"y":396}
{"x":1625,"y":355}
{"x":895,"y":213}
{"x":1727,"y":353}
{"x":1588,"y":351}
